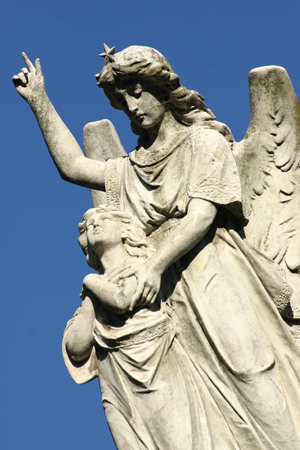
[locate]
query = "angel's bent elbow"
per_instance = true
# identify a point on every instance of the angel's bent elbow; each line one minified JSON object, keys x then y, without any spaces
{"x":71,"y":172}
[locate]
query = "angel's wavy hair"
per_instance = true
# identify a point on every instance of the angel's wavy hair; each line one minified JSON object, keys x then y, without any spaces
{"x":146,"y":65}
{"x":133,"y":237}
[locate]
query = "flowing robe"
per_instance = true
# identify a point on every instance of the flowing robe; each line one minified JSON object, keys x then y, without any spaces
{"x":238,"y":360}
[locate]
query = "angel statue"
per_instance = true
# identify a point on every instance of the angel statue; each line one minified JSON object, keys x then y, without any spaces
{"x":223,"y":275}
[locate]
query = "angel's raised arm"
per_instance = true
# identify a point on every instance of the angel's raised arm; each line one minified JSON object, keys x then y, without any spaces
{"x":71,"y":163}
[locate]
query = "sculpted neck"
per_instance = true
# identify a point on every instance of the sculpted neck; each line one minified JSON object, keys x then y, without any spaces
{"x":163,"y":132}
{"x":113,"y":256}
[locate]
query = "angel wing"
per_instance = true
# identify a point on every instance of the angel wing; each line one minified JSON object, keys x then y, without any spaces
{"x":101,"y":142}
{"x":268,"y":161}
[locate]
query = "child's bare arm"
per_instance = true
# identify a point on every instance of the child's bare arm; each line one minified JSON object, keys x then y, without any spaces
{"x":79,"y":333}
{"x":114,"y":296}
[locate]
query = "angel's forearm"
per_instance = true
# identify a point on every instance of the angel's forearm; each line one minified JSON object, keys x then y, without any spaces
{"x":72,"y":165}
{"x":191,"y":230}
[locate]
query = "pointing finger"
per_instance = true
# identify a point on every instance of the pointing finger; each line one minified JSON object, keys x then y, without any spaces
{"x":28,"y":62}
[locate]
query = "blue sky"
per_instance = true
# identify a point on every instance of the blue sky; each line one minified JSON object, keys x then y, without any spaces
{"x":212,"y":46}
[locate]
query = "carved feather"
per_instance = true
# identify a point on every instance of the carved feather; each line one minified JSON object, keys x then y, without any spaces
{"x":268,"y":161}
{"x":101,"y":142}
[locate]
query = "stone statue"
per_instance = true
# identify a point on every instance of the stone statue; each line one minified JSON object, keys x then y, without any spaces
{"x":191,"y":335}
{"x":132,"y":354}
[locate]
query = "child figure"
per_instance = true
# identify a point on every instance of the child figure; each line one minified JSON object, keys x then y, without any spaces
{"x":144,"y":375}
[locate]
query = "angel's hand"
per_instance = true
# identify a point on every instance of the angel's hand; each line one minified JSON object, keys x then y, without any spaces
{"x":148,"y":282}
{"x":30,"y":82}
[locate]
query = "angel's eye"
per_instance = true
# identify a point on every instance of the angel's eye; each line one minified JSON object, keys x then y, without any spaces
{"x":136,"y":91}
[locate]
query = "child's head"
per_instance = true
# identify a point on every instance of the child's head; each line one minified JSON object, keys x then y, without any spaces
{"x":133,"y":237}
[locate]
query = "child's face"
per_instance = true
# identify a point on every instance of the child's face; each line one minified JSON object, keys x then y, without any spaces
{"x":103,"y":231}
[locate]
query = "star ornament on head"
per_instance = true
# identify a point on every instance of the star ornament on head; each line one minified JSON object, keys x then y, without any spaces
{"x":108,"y":54}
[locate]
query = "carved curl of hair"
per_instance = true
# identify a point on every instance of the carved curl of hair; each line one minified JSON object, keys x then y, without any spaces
{"x":146,"y":65}
{"x":133,"y":237}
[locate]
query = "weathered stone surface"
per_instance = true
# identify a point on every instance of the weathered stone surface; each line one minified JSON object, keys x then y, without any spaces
{"x":184,"y":322}
{"x":100,"y":141}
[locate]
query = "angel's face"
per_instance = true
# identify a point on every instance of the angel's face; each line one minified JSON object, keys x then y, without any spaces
{"x":140,"y":104}
{"x":103,"y":231}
